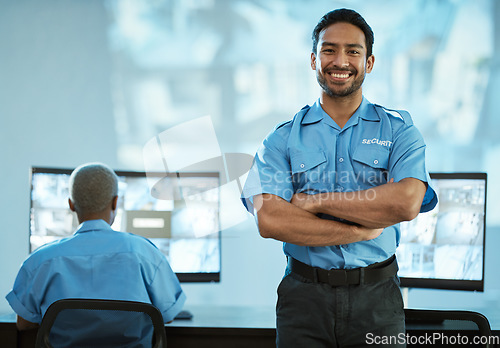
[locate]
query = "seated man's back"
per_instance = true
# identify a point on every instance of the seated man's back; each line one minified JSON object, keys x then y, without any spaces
{"x":96,"y":262}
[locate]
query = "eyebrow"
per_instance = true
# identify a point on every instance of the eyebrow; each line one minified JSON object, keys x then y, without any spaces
{"x":352,"y":45}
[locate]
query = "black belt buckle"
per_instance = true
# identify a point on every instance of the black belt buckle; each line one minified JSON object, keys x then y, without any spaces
{"x":337,"y":277}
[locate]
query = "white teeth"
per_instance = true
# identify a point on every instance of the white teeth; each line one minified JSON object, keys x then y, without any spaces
{"x":340,"y":76}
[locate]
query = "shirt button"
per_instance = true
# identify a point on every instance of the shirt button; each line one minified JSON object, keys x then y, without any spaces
{"x":302,"y":165}
{"x":375,"y":162}
{"x":341,"y":159}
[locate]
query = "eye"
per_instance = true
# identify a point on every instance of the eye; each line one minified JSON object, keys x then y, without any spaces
{"x":327,"y":50}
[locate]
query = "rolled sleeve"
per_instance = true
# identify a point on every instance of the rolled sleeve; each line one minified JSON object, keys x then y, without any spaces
{"x":22,"y":298}
{"x":166,"y":293}
{"x":408,"y":161}
{"x":270,"y":173}
{"x":21,"y":310}
{"x":430,"y":198}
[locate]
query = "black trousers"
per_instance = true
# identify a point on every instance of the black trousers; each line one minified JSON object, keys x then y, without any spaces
{"x":319,"y":315}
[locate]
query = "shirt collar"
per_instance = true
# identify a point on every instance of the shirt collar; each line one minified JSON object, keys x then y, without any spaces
{"x":92,"y":225}
{"x":364,"y":111}
{"x":315,"y":114}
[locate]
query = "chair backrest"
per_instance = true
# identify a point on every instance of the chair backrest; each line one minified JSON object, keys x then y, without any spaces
{"x":430,"y":316}
{"x":101,"y":323}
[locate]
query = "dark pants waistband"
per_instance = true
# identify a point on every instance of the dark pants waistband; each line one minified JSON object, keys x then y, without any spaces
{"x":340,"y":277}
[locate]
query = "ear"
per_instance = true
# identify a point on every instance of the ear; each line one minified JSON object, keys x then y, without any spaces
{"x":114,"y":203}
{"x":369,"y":63}
{"x":71,"y":205}
{"x":313,"y":61}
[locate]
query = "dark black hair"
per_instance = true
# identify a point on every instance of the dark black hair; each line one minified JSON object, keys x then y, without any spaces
{"x":347,"y":16}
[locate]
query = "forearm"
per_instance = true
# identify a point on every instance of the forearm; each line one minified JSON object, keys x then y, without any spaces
{"x":377,"y":207}
{"x":280,"y":220}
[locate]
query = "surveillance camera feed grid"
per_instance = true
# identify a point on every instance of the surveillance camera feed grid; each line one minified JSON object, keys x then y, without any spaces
{"x":447,"y":242}
{"x":185,"y":228}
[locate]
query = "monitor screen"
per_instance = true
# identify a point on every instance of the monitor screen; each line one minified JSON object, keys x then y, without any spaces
{"x":178,"y":212}
{"x":444,"y":248}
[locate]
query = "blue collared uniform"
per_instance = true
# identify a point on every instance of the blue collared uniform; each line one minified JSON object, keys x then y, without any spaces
{"x":312,"y":154}
{"x":96,"y":262}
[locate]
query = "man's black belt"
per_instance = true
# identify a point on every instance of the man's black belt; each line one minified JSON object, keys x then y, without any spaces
{"x":339,"y":277}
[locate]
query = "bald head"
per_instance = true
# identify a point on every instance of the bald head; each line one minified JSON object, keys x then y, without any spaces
{"x":92,"y":188}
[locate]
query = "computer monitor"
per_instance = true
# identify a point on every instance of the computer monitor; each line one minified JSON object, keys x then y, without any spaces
{"x":178,"y":212}
{"x":444,"y":248}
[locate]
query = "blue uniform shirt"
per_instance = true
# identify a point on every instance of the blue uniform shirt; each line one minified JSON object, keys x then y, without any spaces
{"x":96,"y":262}
{"x":312,"y":154}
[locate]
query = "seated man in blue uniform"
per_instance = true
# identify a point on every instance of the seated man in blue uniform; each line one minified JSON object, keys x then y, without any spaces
{"x":96,"y":262}
{"x":333,"y":184}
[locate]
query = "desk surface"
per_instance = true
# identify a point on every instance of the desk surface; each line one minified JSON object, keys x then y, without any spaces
{"x":229,"y":317}
{"x":250,"y":317}
{"x":213,"y":317}
{"x":234,"y":317}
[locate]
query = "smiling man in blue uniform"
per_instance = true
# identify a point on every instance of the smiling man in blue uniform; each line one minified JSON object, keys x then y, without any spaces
{"x":97,"y":261}
{"x":333,"y":184}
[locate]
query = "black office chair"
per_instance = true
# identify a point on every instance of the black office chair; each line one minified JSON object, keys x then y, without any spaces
{"x":101,"y":323}
{"x":436,"y":318}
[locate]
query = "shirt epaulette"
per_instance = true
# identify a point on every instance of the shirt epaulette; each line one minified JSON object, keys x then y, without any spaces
{"x":279,"y":125}
{"x":298,"y":115}
{"x":401,"y":114}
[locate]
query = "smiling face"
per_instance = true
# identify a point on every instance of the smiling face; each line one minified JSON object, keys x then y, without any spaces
{"x":340,"y":62}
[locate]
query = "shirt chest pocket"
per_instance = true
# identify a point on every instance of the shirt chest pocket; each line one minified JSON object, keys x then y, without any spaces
{"x":308,"y":171}
{"x":370,"y":164}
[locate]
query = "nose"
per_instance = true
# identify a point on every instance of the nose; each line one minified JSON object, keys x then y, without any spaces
{"x":341,"y":60}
